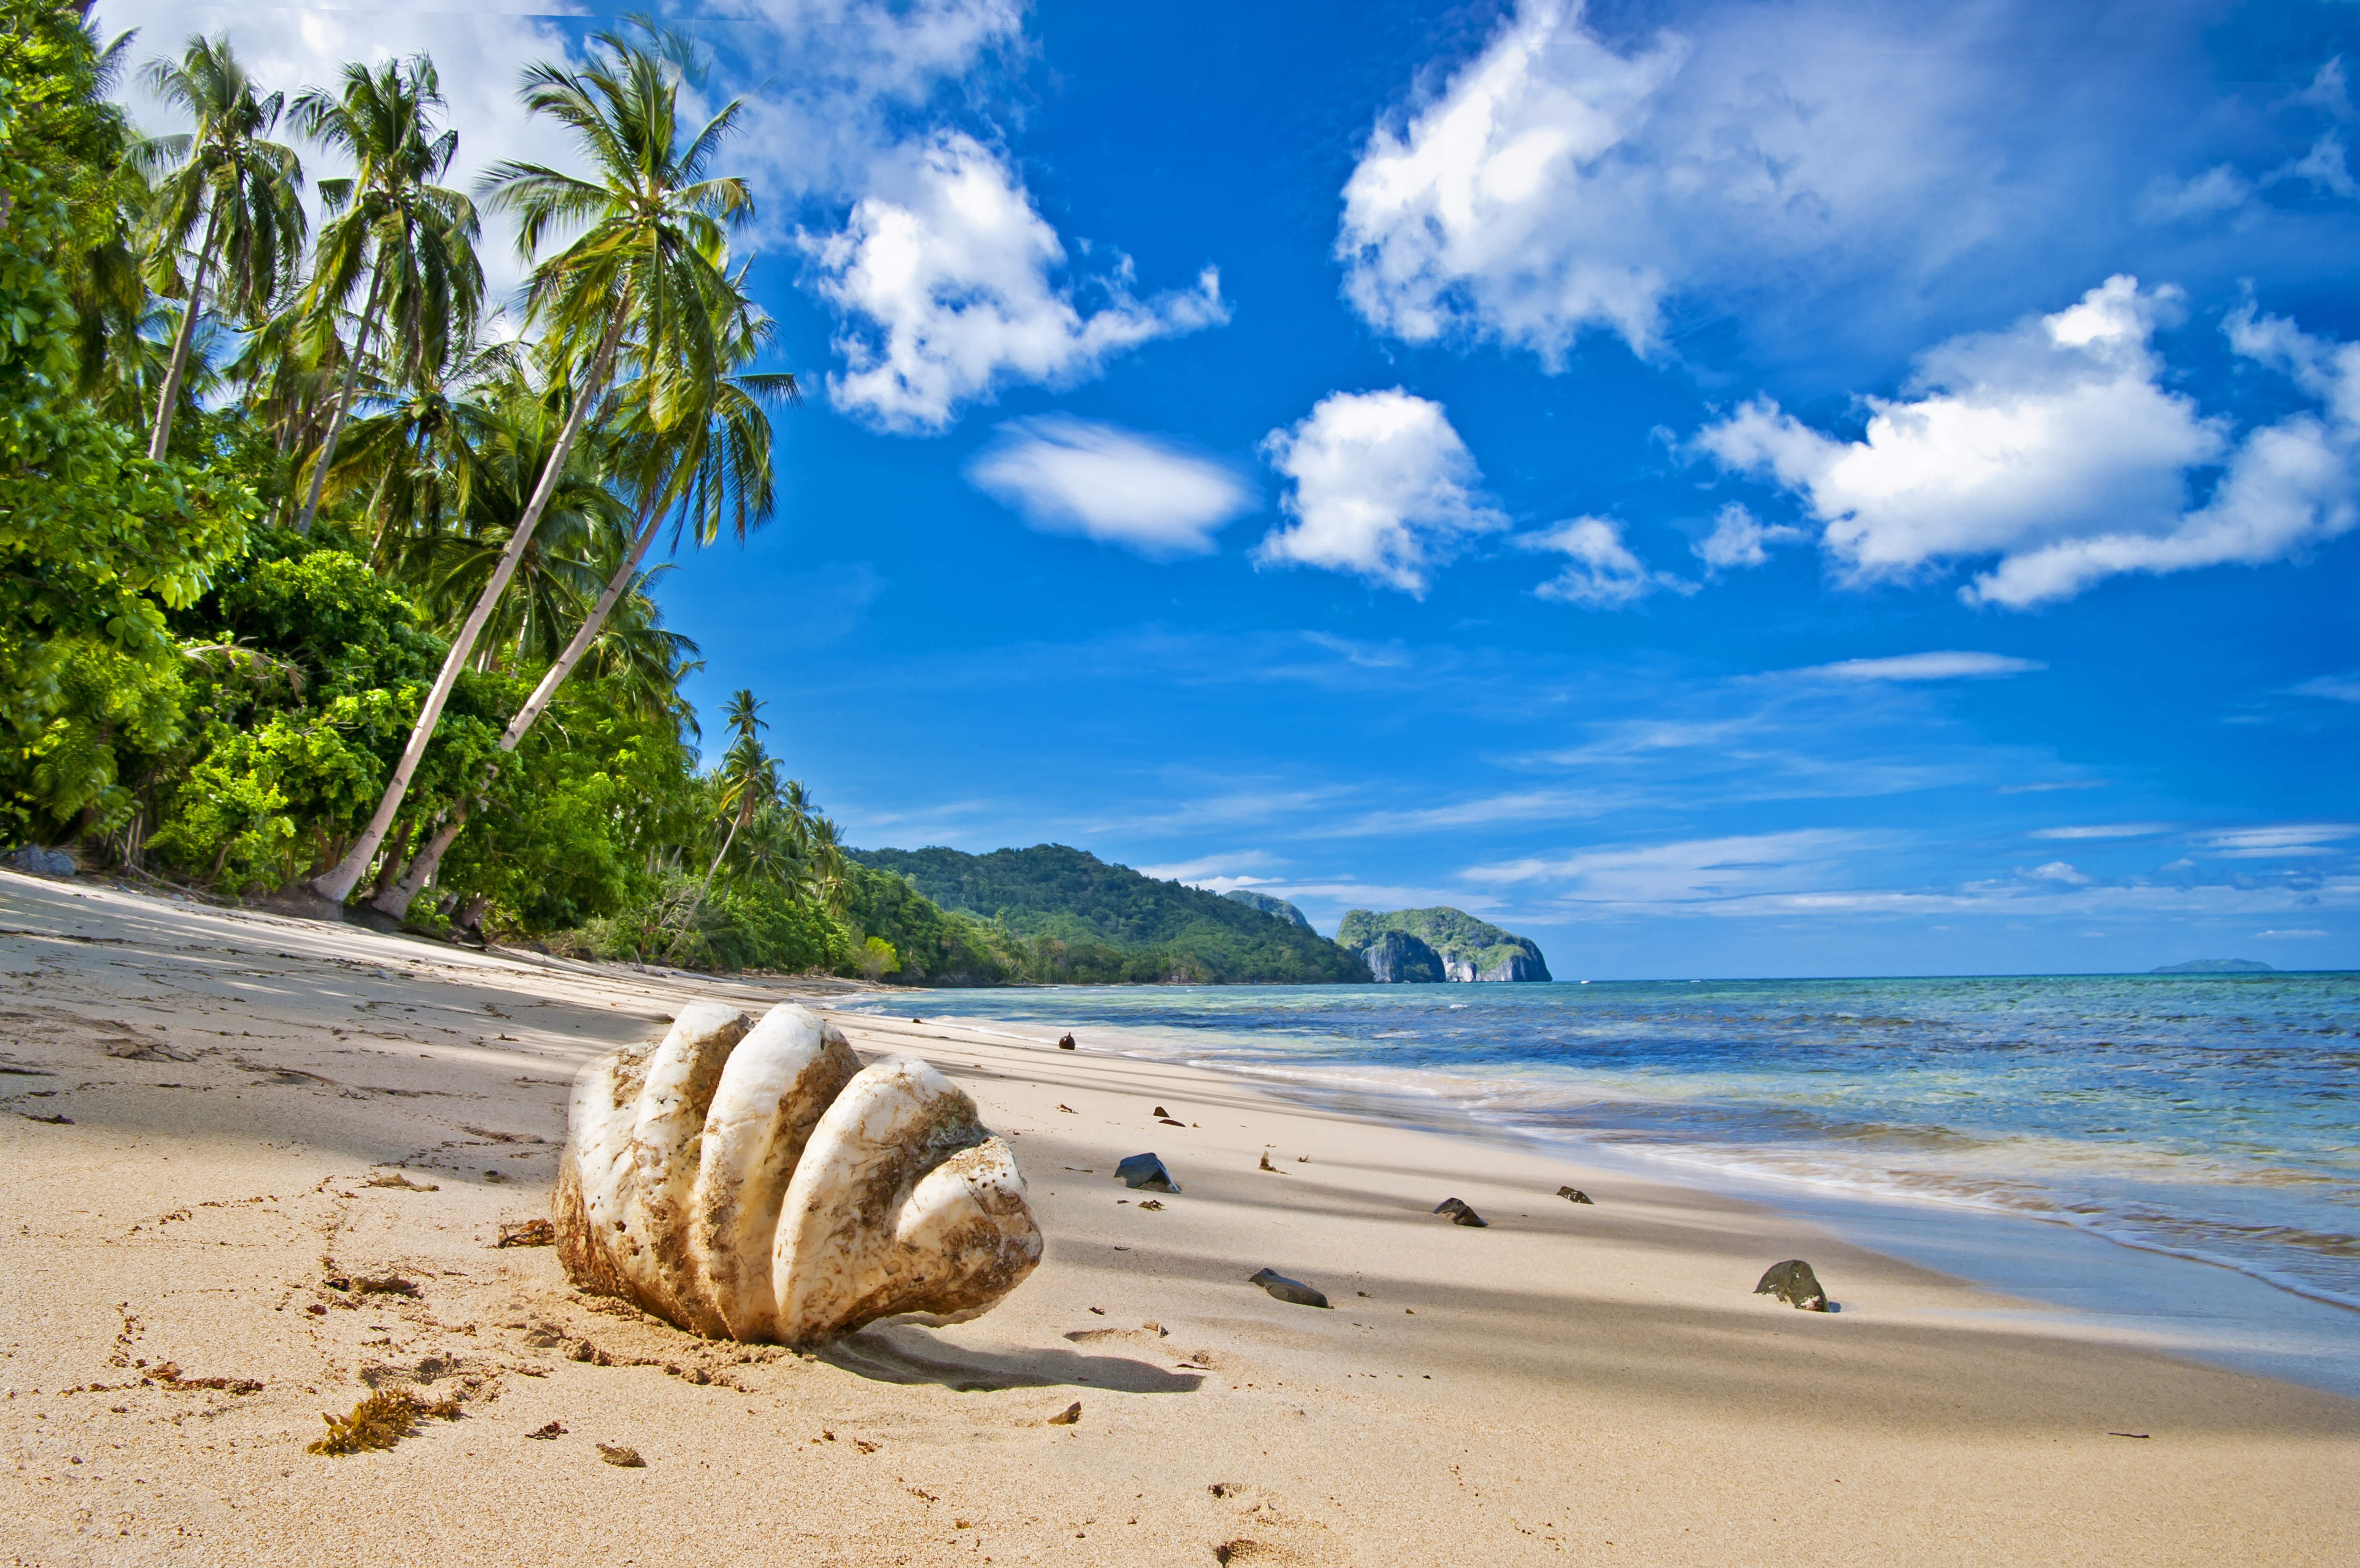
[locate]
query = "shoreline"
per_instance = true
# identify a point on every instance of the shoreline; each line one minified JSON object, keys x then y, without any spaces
{"x":2065,"y":1277}
{"x":254,"y":1107}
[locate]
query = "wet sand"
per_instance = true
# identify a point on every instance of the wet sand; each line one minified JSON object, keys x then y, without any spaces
{"x":256,"y":1109}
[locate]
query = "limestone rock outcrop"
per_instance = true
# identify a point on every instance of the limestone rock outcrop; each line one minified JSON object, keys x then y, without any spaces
{"x":753,"y":1182}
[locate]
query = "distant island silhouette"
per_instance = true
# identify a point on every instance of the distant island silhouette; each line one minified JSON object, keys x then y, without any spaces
{"x":2217,"y":966}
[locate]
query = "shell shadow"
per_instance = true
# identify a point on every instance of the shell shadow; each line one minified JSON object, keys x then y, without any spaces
{"x":902,"y":1353}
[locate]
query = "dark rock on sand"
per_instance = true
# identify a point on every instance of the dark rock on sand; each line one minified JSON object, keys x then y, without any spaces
{"x":1794,"y":1283}
{"x":1066,"y":1042}
{"x":1287,"y":1290}
{"x":1146,"y":1170}
{"x":1575,"y":1194}
{"x":1460,"y":1213}
{"x":39,"y":862}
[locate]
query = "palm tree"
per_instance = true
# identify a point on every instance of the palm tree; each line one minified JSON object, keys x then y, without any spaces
{"x":650,"y":259}
{"x":415,"y":239}
{"x":245,"y":189}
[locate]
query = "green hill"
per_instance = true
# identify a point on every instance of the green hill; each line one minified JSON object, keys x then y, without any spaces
{"x":1467,"y":949}
{"x":1071,"y":918}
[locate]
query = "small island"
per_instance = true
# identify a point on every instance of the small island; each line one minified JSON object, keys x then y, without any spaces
{"x":2218,"y":966}
{"x":1428,"y":946}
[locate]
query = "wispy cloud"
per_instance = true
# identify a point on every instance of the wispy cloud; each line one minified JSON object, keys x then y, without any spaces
{"x":1078,"y":477}
{"x":2334,"y":688}
{"x":2287,"y":935}
{"x":2289,"y":840}
{"x":2105,"y":830}
{"x":1949,"y":665}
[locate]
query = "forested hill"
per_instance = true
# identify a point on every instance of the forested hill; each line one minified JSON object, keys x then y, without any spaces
{"x":1081,"y":920}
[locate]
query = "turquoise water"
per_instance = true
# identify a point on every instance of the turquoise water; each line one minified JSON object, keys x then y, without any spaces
{"x":2212,"y":1117}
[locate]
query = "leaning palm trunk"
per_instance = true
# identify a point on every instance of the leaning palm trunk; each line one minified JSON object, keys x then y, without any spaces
{"x":168,"y":402}
{"x":696,"y":905}
{"x":336,"y":883}
{"x":344,"y":402}
{"x":397,"y":899}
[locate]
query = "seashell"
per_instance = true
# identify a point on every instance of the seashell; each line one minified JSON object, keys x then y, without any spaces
{"x":759,"y":1184}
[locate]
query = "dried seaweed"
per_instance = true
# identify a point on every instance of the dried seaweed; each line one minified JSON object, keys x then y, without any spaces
{"x":528,"y":1233}
{"x":380,"y":1421}
{"x":621,"y":1458}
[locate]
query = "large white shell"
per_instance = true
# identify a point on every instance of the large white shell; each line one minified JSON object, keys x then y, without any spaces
{"x":779,"y":1081}
{"x":762,"y":1186}
{"x":903,"y":1204}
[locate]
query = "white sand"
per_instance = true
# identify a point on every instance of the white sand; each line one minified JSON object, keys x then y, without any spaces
{"x":1572,"y":1384}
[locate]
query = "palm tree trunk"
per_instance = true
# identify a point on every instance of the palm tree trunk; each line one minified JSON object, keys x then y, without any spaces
{"x":423,"y":869}
{"x":336,"y":884}
{"x":173,"y":374}
{"x":396,"y":900}
{"x":344,"y":398}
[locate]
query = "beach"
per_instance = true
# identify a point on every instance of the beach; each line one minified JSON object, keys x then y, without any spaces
{"x":227,"y":1125}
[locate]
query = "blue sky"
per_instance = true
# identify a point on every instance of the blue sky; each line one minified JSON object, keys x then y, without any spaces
{"x":1723,"y":489}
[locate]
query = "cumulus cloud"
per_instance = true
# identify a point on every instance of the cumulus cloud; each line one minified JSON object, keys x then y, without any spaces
{"x":2059,"y":871}
{"x":1601,"y":573}
{"x":1069,"y":475}
{"x":2055,"y":446}
{"x":1949,"y":665}
{"x":1382,"y":487}
{"x":1739,"y":538}
{"x":945,"y":280}
{"x":1560,"y":182}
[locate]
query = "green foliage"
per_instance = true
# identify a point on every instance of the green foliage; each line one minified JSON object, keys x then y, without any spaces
{"x":1479,"y":948}
{"x":1063,"y":915}
{"x":933,"y":946}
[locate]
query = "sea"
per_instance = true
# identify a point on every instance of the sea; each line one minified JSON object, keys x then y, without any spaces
{"x":2173,"y":1160}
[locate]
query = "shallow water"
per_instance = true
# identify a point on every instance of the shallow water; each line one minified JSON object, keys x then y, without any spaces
{"x":2208,"y":1118}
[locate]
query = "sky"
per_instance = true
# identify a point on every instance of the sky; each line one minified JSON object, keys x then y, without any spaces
{"x":1721,"y":489}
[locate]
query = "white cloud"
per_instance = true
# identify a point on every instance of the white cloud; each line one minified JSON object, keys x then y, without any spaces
{"x":1737,"y":541}
{"x":2105,"y":829}
{"x":1691,"y":870}
{"x":1069,"y":475}
{"x":2287,"y":935}
{"x":944,"y":276}
{"x":1560,"y":183}
{"x":2291,"y":840}
{"x":2334,"y":688}
{"x":1382,"y":488}
{"x":1601,"y":573}
{"x":2059,"y":871}
{"x":2217,"y":189}
{"x":2055,"y":446}
{"x":2323,"y":165}
{"x":1944,"y":666}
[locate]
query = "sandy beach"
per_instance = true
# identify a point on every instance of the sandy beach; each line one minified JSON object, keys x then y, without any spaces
{"x":225,"y":1125}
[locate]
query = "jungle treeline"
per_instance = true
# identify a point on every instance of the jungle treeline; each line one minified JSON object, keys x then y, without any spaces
{"x":323,"y":574}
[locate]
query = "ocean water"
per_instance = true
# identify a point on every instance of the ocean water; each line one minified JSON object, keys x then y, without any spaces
{"x":2211,"y":1118}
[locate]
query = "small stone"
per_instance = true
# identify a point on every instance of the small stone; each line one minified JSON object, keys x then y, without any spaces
{"x":1460,"y":1213}
{"x":1575,"y":1194}
{"x":1069,"y":1416}
{"x":1161,"y":1112}
{"x":1794,"y":1283}
{"x":1287,"y":1290}
{"x":1066,"y":1042}
{"x":1145,"y":1171}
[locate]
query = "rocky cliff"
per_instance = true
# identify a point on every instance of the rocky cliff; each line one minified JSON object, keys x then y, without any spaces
{"x":1439,"y":944}
{"x":1269,"y":906}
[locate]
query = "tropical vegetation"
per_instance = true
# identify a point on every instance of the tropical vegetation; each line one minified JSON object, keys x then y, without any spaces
{"x":323,"y":575}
